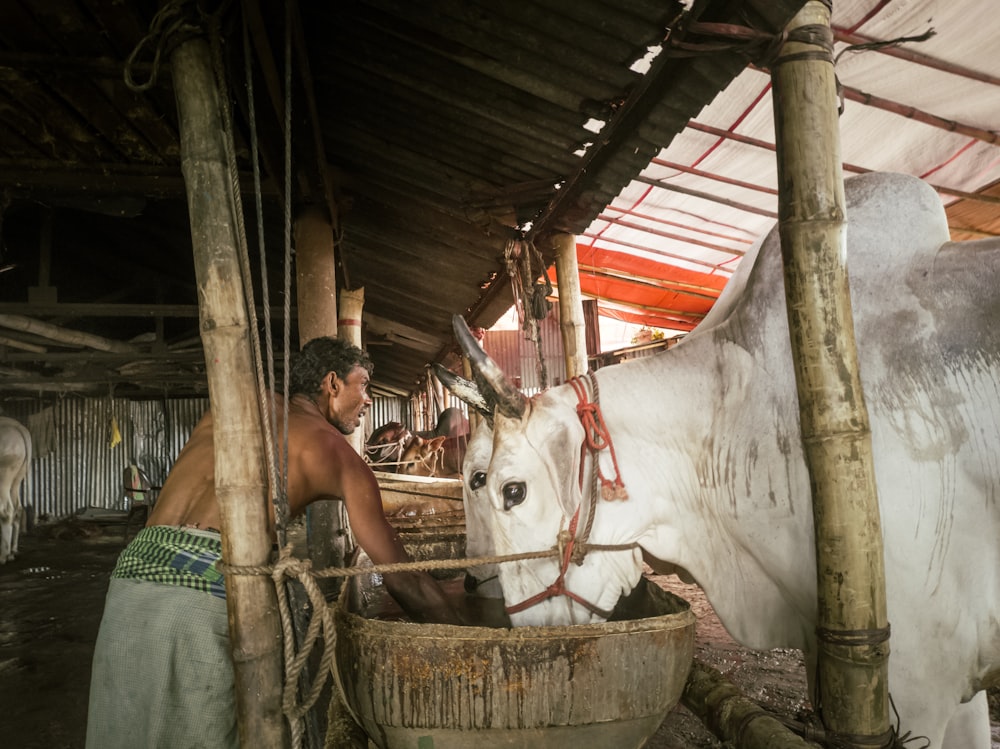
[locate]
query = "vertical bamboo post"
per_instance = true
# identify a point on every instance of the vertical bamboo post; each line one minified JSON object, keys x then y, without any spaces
{"x":315,"y":275}
{"x":852,"y":630}
{"x":352,"y":305}
{"x":326,"y":522}
{"x":571,"y":320}
{"x":430,"y":416}
{"x":240,"y":475}
{"x":316,"y":301}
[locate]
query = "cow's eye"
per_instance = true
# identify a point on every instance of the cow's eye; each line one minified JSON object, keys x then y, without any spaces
{"x":478,"y":479}
{"x":513,"y":494}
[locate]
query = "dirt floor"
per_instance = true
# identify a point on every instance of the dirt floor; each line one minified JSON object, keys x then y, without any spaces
{"x":52,"y":596}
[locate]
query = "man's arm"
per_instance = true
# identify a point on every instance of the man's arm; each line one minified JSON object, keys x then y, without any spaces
{"x":418,"y":593}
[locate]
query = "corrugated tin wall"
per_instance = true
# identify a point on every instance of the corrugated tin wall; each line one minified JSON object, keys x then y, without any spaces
{"x":386,"y":409}
{"x":76,"y":466}
{"x":78,"y":459}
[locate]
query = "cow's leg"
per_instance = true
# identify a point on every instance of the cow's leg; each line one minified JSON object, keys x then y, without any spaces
{"x":17,"y":519}
{"x":16,"y":516}
{"x":6,"y":525}
{"x":969,"y":727}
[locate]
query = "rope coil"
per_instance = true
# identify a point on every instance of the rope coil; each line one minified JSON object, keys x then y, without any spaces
{"x":168,"y":29}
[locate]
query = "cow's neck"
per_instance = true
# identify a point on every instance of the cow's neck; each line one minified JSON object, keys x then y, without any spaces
{"x":720,"y":435}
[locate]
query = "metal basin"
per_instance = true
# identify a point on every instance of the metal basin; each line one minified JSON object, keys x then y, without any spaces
{"x":595,"y":686}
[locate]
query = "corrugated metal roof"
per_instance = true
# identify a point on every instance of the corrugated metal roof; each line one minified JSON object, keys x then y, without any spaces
{"x":450,"y":128}
{"x":447,"y":127}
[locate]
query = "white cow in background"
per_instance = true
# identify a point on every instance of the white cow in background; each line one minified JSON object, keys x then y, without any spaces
{"x":708,"y":447}
{"x":15,"y":461}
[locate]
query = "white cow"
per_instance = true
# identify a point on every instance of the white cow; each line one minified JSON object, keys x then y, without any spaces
{"x":15,"y":460}
{"x":708,"y":445}
{"x":481,"y":579}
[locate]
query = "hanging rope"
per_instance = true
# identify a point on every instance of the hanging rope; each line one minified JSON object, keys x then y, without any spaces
{"x":294,"y":708}
{"x":530,"y":300}
{"x":278,"y":486}
{"x":511,"y":256}
{"x":264,"y":404}
{"x":168,"y":28}
{"x":287,"y":308}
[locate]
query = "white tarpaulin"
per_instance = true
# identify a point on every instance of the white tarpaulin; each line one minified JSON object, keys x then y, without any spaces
{"x":697,"y":207}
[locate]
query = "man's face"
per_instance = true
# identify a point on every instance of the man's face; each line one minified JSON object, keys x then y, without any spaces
{"x":350,"y":400}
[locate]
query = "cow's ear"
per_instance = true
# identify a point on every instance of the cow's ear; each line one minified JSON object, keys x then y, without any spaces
{"x":565,"y":474}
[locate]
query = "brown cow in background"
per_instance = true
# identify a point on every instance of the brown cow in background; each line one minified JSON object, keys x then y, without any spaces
{"x":439,"y":452}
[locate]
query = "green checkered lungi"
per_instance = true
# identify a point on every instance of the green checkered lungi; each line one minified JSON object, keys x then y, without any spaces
{"x":162,"y":673}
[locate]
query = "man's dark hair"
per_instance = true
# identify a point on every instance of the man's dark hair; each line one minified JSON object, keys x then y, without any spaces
{"x":321,"y":355}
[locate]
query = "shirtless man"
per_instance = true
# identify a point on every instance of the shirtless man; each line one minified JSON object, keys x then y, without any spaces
{"x":162,"y":673}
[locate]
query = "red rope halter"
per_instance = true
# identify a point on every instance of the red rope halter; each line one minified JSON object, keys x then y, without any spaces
{"x":558,"y":588}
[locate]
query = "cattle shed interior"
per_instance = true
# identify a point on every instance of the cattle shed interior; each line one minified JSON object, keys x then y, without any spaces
{"x":449,"y":142}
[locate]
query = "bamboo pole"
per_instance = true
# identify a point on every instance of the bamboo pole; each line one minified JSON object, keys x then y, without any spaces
{"x":65,"y":335}
{"x":316,"y":307}
{"x":852,"y":632}
{"x":571,"y":322}
{"x":352,"y":305}
{"x":316,"y":290}
{"x":731,"y":716}
{"x":240,"y":476}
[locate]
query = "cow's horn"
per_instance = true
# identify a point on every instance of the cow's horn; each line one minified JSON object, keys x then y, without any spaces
{"x":509,"y":399}
{"x":462,"y":388}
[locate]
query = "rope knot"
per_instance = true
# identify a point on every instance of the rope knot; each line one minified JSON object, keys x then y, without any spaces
{"x":291,"y":566}
{"x":597,"y":438}
{"x":563,"y":540}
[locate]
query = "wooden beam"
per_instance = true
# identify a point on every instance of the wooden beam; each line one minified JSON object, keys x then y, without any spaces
{"x":23,"y":345}
{"x":400,"y":332}
{"x":670,"y":235}
{"x":700,"y":292}
{"x":64,"y":335}
{"x":103,"y":179}
{"x":90,"y":309}
{"x":715,"y":267}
